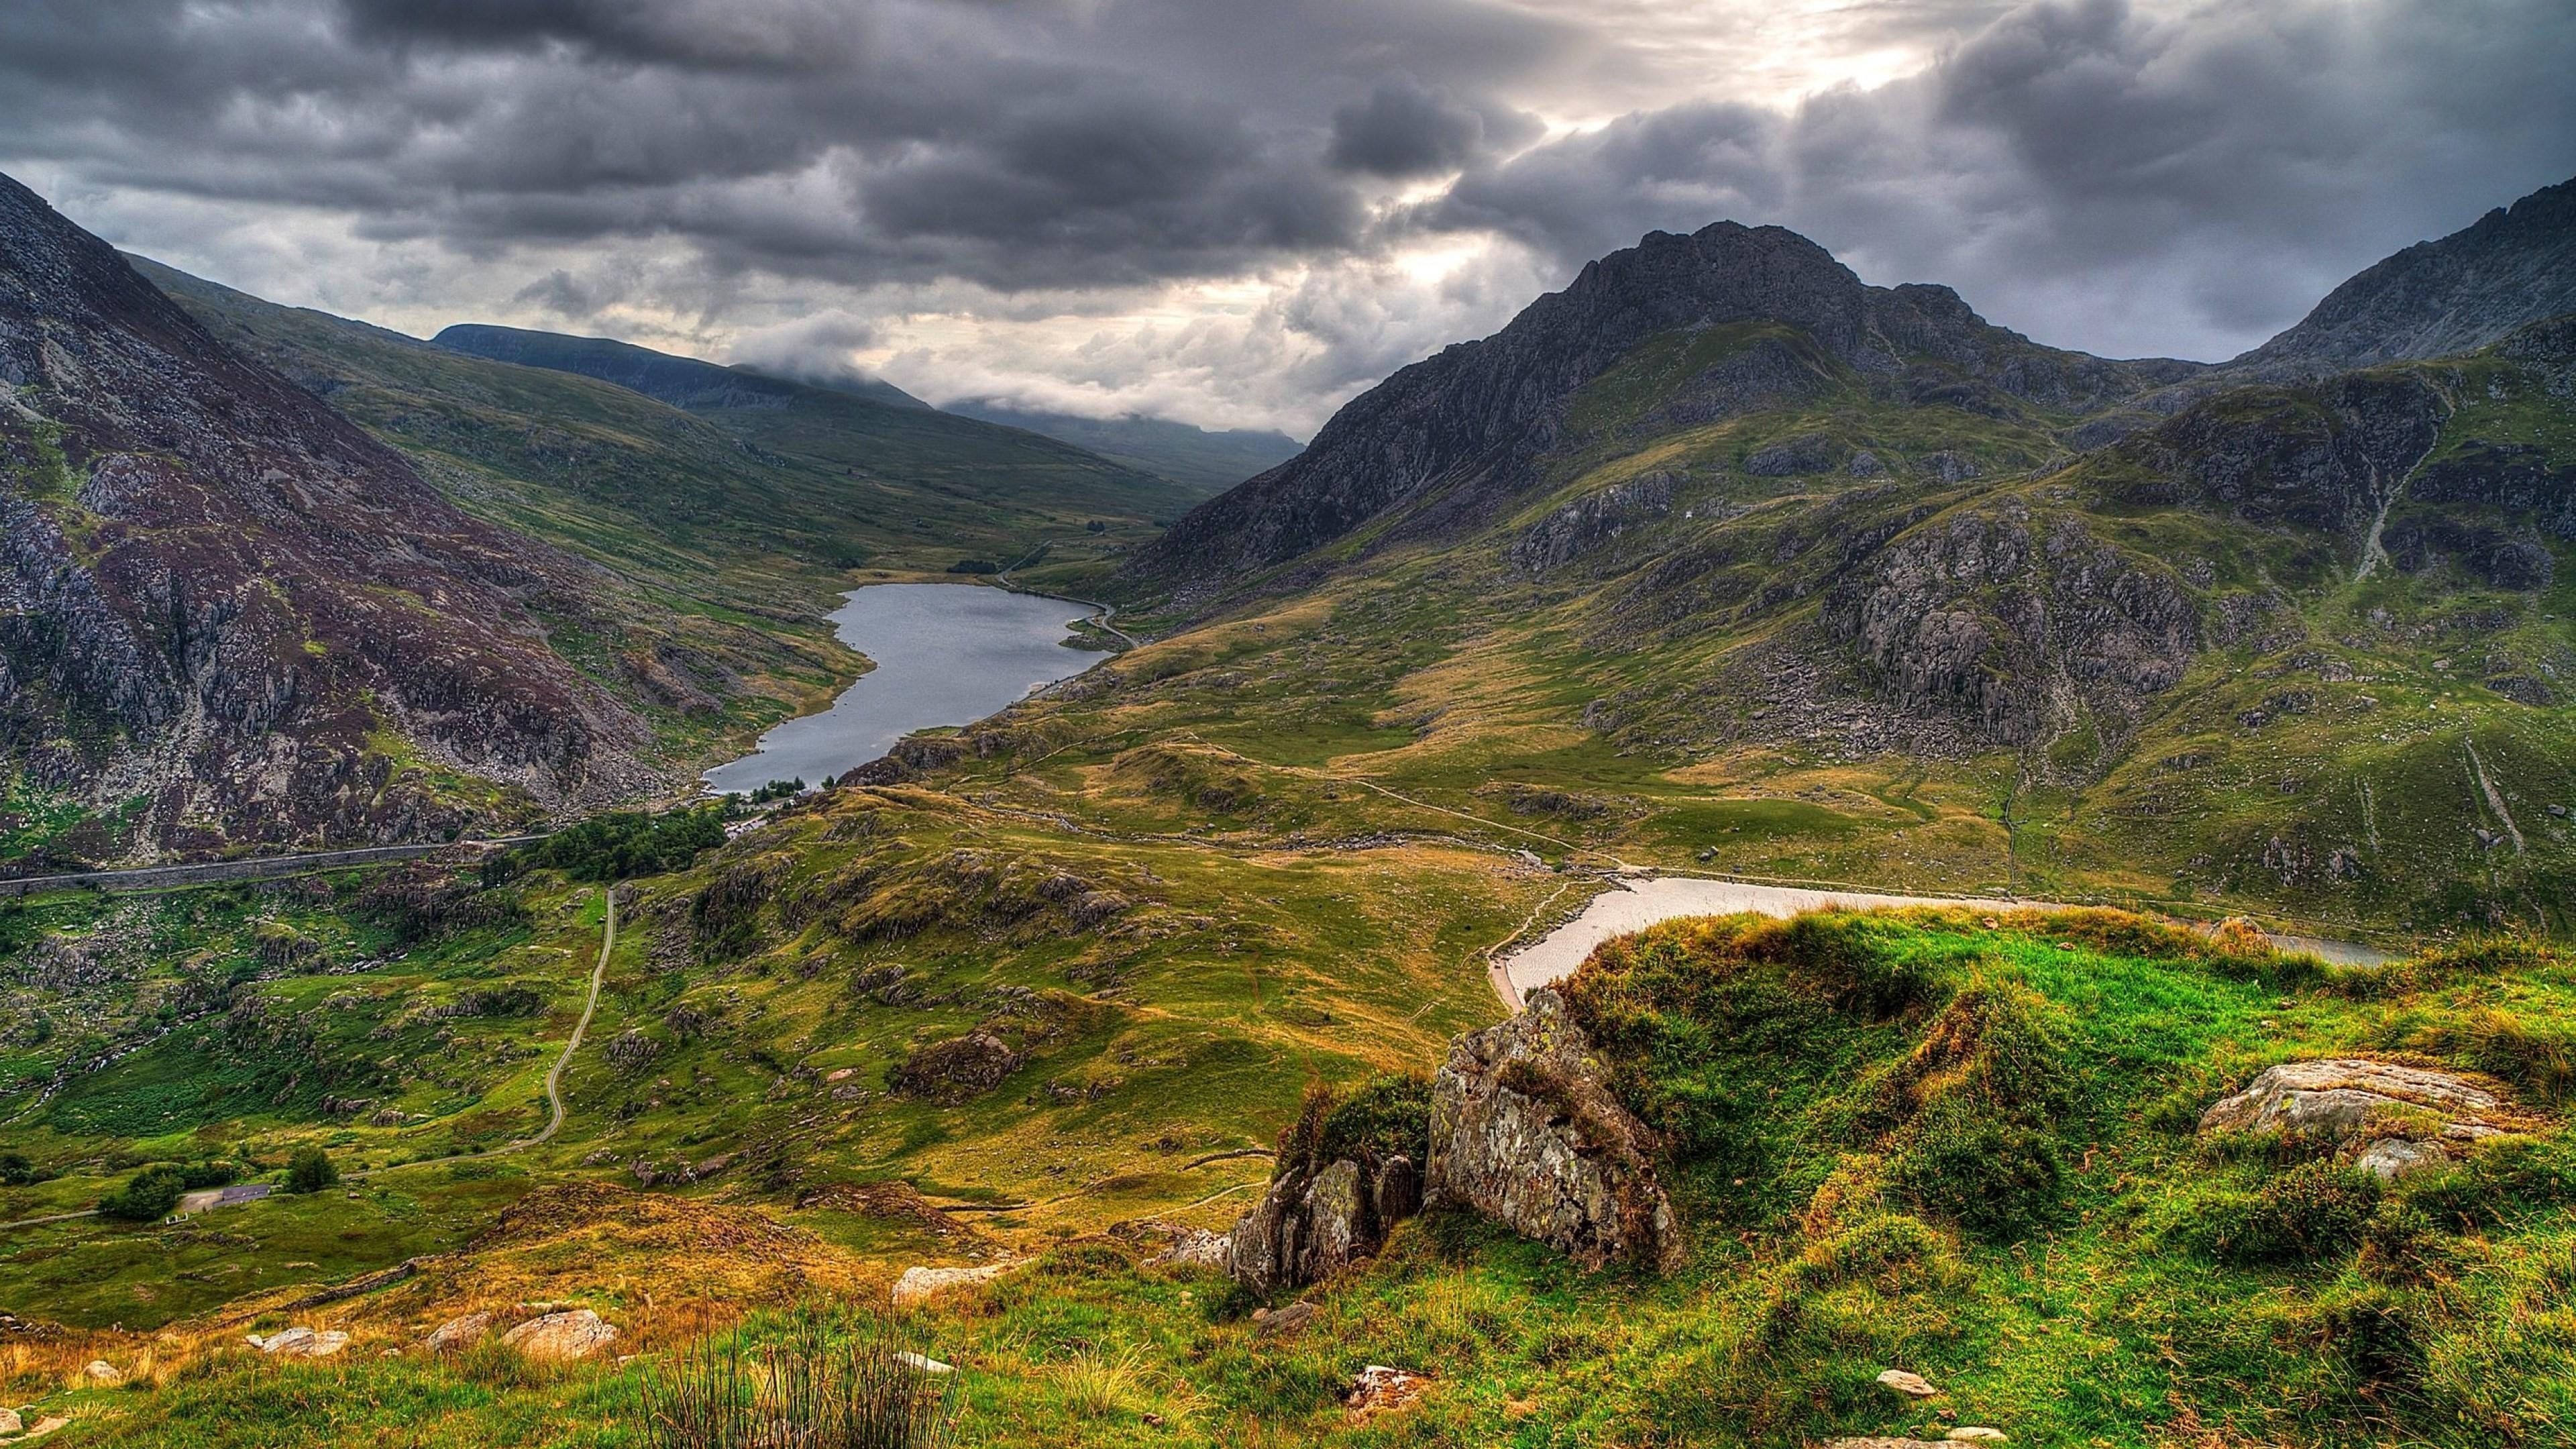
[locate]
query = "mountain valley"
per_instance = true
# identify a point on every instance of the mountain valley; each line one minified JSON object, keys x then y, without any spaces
{"x":1138,"y":1058}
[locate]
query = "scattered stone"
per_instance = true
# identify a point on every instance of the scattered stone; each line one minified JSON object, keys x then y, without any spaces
{"x":458,"y":1333}
{"x":10,"y":1423}
{"x":1195,"y":1248}
{"x":1383,"y":1390}
{"x":1282,"y":1322}
{"x":100,"y":1371}
{"x":2395,"y":1119}
{"x":923,"y":1363}
{"x":1524,"y":1130}
{"x":300,"y":1342}
{"x":561,"y":1337}
{"x":921,"y":1284}
{"x":1911,"y":1385}
{"x":1978,"y":1434}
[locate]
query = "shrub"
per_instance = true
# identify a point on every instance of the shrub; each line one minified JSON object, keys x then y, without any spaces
{"x":811,"y":1387}
{"x":147,"y":1197}
{"x":16,"y":1170}
{"x":2312,"y":1211}
{"x":1389,"y":1115}
{"x":310,"y":1170}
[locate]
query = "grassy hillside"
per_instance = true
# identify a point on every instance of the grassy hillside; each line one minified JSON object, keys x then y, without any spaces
{"x":1843,"y":640}
{"x":1981,"y":1168}
{"x":777,"y":501}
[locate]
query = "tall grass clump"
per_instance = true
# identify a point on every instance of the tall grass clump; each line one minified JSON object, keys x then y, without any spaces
{"x":814,"y":1385}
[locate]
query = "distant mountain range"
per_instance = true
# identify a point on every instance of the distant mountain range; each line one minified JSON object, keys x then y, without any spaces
{"x":1193,"y":457}
{"x":683,"y":382}
{"x":1203,"y":457}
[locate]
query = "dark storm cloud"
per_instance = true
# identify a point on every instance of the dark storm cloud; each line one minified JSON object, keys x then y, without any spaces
{"x":2178,"y":175}
{"x":1407,"y":129}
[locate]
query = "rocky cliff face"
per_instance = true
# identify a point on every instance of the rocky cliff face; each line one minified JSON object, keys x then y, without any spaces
{"x":2440,"y":298}
{"x":226,"y":609}
{"x":1452,"y":437}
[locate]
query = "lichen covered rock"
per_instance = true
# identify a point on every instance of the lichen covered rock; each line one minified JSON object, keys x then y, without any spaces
{"x":1524,"y":1130}
{"x":2392,"y":1119}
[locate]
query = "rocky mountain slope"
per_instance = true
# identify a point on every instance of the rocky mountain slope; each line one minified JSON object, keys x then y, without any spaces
{"x":231,"y":614}
{"x":2513,"y":267}
{"x":1721,"y":507}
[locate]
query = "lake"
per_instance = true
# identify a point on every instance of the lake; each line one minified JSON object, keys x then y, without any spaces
{"x":945,"y":654}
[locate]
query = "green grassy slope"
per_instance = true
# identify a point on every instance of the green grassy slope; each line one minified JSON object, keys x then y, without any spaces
{"x":1979,"y":1165}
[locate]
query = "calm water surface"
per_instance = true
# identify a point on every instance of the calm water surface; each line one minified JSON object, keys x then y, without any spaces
{"x":945,"y":654}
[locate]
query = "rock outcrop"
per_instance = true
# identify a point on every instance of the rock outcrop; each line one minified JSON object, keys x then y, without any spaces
{"x":1524,"y":1130}
{"x":1314,"y":1223}
{"x":2390,"y":1119}
{"x":921,"y":1284}
{"x":562,"y":1336}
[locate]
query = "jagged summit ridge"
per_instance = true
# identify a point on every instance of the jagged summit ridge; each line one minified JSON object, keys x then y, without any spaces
{"x":1467,"y":421}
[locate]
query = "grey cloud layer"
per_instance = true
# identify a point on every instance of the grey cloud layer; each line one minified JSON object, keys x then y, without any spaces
{"x":2173,"y":178}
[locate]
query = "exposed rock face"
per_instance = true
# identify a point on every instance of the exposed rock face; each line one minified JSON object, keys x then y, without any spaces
{"x":956,"y":1069}
{"x":1984,"y":615}
{"x":2393,"y":1119}
{"x":561,"y":1337}
{"x":2439,"y":298}
{"x":1313,"y":1224}
{"x":1453,"y":435}
{"x":1525,"y":1131}
{"x":226,"y":598}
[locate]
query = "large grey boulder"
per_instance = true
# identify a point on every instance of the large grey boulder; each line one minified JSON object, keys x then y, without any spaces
{"x":1313,"y":1223}
{"x":2392,"y":1119}
{"x":1524,"y":1130}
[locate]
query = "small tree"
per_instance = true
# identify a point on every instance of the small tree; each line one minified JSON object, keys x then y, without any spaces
{"x":310,"y":1170}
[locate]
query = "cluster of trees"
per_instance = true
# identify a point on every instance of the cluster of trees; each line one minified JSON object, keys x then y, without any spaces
{"x":154,"y":1193}
{"x":629,"y":843}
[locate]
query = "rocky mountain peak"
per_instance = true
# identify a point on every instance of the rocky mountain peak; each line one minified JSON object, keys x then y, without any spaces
{"x":2514,"y":266}
{"x":1451,"y":438}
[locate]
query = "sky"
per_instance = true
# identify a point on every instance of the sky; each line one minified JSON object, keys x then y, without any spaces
{"x":1240,"y":213}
